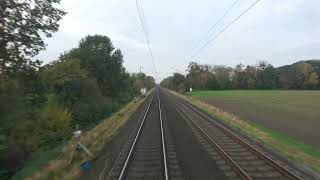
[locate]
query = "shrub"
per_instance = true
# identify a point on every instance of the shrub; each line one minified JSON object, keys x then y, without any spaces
{"x":54,"y":124}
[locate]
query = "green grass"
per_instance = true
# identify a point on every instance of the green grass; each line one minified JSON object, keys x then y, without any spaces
{"x":314,"y":152}
{"x":38,"y":160}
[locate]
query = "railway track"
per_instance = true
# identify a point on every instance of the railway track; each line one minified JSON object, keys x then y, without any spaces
{"x":238,"y":158}
{"x":144,"y":154}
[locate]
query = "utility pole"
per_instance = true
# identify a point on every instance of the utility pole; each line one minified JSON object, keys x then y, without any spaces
{"x":140,"y":69}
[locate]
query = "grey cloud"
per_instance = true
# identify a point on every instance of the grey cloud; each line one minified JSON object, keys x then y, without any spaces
{"x":278,"y":31}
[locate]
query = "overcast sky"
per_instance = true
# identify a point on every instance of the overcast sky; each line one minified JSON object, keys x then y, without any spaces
{"x":280,"y":32}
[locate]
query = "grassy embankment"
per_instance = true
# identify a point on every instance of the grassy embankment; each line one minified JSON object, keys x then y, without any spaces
{"x":292,"y":148}
{"x":56,"y":165}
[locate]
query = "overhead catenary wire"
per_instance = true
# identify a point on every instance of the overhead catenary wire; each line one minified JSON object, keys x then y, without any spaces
{"x":144,"y":22}
{"x":223,"y":30}
{"x":206,"y":35}
{"x":145,"y":31}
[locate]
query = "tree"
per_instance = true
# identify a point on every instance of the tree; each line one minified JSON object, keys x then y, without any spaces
{"x":102,"y":62}
{"x":167,"y":83}
{"x":315,"y":63}
{"x":141,"y":80}
{"x":193,"y":75}
{"x":138,"y":81}
{"x":298,"y":76}
{"x":198,"y":75}
{"x":223,"y":75}
{"x":60,"y":73}
{"x":312,"y":81}
{"x":213,"y":83}
{"x":88,"y":105}
{"x":266,"y":77}
{"x":62,"y":78}
{"x":308,"y":76}
{"x":250,"y":75}
{"x":238,"y":77}
{"x":177,"y":82}
{"x":150,"y":82}
{"x":244,"y":78}
{"x":23,"y":24}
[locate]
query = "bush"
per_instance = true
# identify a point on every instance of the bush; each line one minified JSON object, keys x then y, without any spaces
{"x":54,"y":122}
{"x":84,"y":98}
{"x":88,"y":113}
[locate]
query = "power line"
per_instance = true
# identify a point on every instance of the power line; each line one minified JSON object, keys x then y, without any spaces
{"x":214,"y":25}
{"x":224,"y":29}
{"x":144,"y":27}
{"x":209,"y":30}
{"x":144,"y":22}
{"x":145,"y":31}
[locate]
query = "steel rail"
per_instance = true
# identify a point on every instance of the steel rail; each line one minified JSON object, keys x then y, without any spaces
{"x":163,"y":140}
{"x":284,"y":171}
{"x":117,"y":160}
{"x":122,"y":150}
{"x":134,"y":142}
{"x":242,"y":174}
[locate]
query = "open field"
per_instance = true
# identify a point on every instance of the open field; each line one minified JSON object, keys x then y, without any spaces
{"x":292,"y":113}
{"x":290,"y":148}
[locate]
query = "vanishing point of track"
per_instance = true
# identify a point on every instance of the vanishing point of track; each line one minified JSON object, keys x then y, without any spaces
{"x":144,"y":154}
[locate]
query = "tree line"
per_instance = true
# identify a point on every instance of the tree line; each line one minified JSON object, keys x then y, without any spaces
{"x":300,"y":75}
{"x":41,"y":108}
{"x":42,"y":104}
